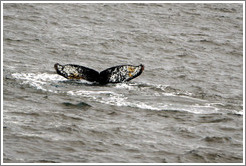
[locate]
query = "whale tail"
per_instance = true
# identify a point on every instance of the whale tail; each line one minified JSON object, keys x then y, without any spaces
{"x":116,"y":74}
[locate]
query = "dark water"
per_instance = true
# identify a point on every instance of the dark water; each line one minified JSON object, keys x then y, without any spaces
{"x":187,"y":106}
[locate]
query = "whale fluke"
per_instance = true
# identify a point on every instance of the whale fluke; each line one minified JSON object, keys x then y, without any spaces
{"x":116,"y":74}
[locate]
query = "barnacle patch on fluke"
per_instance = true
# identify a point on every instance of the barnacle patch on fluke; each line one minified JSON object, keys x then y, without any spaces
{"x":114,"y":74}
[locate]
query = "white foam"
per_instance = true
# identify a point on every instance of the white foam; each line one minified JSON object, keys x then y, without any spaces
{"x":106,"y":97}
{"x":38,"y":77}
{"x":38,"y":80}
{"x":238,"y":112}
{"x":112,"y":98}
{"x":43,"y":81}
{"x":125,"y":86}
{"x":88,"y":93}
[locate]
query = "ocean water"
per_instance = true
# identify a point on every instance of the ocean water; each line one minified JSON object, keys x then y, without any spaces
{"x":186,"y":107}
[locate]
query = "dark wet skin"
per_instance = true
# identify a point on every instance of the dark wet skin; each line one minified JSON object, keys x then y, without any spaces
{"x":116,"y":74}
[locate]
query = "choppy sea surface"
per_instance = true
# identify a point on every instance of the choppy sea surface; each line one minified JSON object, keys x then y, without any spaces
{"x":186,"y":107}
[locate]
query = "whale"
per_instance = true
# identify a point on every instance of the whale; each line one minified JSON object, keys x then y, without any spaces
{"x":115,"y":74}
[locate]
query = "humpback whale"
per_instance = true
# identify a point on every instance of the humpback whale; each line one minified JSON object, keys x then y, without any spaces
{"x":116,"y":74}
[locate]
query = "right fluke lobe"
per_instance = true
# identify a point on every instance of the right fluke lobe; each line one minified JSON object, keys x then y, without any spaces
{"x":121,"y":73}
